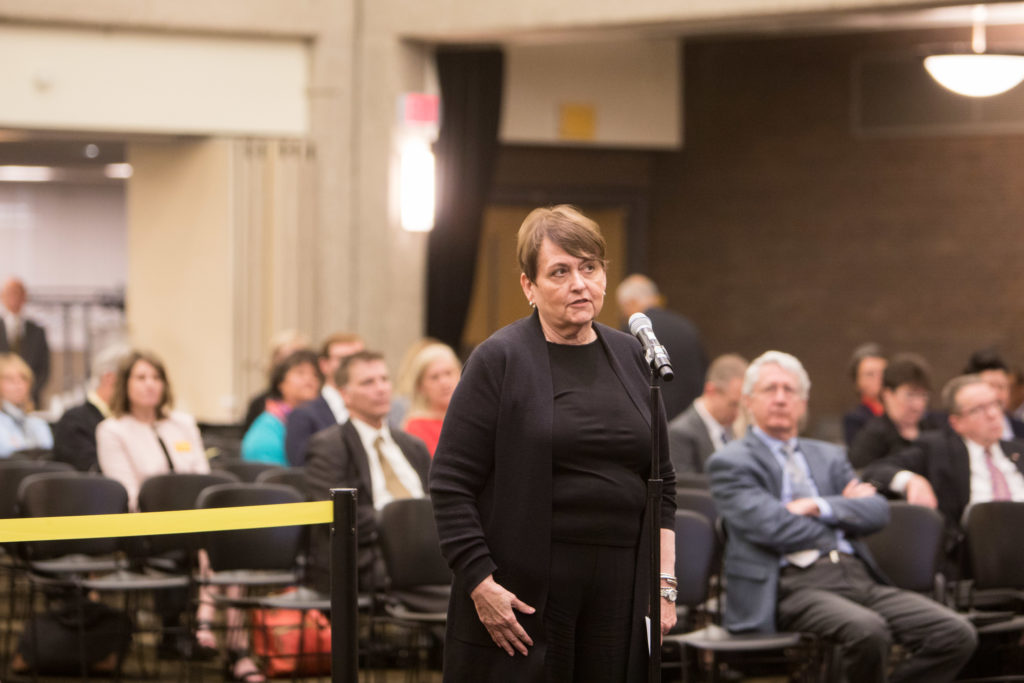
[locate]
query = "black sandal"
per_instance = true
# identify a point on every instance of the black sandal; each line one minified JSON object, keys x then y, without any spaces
{"x":204,"y":652}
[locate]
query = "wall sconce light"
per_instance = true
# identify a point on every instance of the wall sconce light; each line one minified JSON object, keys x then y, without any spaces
{"x":977,"y":73}
{"x":418,"y":127}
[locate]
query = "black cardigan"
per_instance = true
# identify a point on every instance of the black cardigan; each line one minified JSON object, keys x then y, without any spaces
{"x":490,"y":483}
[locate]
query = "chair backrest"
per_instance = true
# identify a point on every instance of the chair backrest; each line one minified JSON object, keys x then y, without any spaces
{"x":692,"y":480}
{"x":246,"y":470}
{"x":175,"y":491}
{"x":995,"y":555}
{"x":12,"y":472}
{"x":288,"y":476}
{"x":908,"y":550}
{"x":695,"y":550}
{"x":58,"y":494}
{"x":32,"y":454}
{"x":253,"y":549}
{"x":410,"y":545}
{"x":697,"y":500}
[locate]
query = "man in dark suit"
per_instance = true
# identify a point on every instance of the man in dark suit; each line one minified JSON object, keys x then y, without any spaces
{"x":707,"y":425}
{"x":956,"y":468}
{"x":326,"y":409}
{"x":990,"y":366}
{"x":794,"y":512}
{"x":365,"y":454}
{"x":22,"y":336}
{"x":679,"y":336}
{"x":74,"y":435}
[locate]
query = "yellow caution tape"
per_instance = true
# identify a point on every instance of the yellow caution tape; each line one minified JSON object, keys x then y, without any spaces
{"x":154,"y":523}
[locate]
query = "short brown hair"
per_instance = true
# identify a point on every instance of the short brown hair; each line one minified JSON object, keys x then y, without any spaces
{"x":121,"y":404}
{"x":339,"y":338}
{"x":342,"y":373}
{"x":953,"y":387}
{"x":907,"y":368}
{"x":565,"y":226}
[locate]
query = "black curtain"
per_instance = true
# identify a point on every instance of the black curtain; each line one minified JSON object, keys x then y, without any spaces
{"x":465,"y":153}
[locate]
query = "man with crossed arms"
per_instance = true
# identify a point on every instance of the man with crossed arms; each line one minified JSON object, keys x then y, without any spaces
{"x":793,"y":512}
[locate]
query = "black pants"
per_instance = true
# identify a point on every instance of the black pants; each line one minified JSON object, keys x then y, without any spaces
{"x":842,"y":602}
{"x":588,"y":618}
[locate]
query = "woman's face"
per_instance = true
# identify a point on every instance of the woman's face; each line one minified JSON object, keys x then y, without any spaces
{"x":145,"y":386}
{"x":14,"y":386}
{"x":569,"y":291}
{"x":905,"y":405}
{"x":869,"y":377}
{"x":300,"y":384}
{"x":438,"y":383}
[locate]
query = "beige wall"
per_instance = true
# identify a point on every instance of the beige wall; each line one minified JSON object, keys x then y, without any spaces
{"x":179,"y":296}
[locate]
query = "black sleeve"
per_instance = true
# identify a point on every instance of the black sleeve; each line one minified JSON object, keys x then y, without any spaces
{"x":462,"y":467}
{"x":74,"y":441}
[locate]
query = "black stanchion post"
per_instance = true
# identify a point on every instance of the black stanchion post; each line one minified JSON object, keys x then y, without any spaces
{"x":344,"y":589}
{"x":654,"y":529}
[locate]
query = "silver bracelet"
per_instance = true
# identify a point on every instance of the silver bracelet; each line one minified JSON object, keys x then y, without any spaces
{"x":669,"y":578}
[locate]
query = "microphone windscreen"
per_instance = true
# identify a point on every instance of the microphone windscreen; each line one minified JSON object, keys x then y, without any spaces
{"x":639,"y":321}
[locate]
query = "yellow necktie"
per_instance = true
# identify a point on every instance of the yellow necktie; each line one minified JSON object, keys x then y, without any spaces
{"x":391,"y":481}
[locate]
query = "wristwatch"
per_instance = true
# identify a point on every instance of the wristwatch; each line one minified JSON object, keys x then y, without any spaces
{"x":669,"y":593}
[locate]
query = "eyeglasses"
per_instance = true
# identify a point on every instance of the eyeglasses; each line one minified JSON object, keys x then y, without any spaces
{"x":788,"y":390}
{"x":982,"y":408}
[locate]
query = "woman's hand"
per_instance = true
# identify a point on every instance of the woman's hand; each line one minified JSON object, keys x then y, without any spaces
{"x":494,"y":606}
{"x":668,"y":616}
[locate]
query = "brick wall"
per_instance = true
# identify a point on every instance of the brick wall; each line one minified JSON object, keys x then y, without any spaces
{"x":777,"y":227}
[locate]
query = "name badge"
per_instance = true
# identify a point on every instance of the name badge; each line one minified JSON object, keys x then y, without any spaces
{"x":182,"y":446}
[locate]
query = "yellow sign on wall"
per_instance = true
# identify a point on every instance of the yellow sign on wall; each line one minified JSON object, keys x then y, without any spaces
{"x":577,"y":121}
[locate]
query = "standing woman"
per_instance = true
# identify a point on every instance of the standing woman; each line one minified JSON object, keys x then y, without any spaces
{"x":18,"y":430}
{"x":434,"y":372}
{"x":538,"y":482}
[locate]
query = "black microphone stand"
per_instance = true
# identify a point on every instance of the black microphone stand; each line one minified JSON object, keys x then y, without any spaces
{"x":654,"y":485}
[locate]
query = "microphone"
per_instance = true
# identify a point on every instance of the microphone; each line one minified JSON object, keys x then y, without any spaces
{"x":640,"y":326}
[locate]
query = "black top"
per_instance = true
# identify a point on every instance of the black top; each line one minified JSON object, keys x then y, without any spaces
{"x":74,"y":437}
{"x":600,"y":450}
{"x":880,"y":438}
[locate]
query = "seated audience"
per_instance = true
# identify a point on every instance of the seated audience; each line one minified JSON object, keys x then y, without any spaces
{"x":294,"y":381}
{"x":953,"y":469}
{"x":18,"y":430}
{"x":326,"y":409}
{"x":866,"y":367}
{"x":74,"y":435}
{"x":906,"y":386}
{"x":989,"y":365}
{"x":365,"y":454}
{"x":794,"y":513}
{"x":707,"y":425}
{"x":281,"y":346}
{"x":433,"y":374}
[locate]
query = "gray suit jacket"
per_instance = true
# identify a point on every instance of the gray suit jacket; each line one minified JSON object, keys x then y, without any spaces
{"x":689,"y":444}
{"x":746,"y":483}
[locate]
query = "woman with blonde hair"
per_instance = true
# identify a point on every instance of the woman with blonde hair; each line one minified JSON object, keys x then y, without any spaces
{"x":433,"y":373}
{"x":18,"y":430}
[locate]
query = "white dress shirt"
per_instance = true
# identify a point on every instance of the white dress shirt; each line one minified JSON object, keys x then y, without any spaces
{"x":405,"y":472}
{"x":981,"y":478}
{"x":335,"y":403}
{"x":715,"y":429}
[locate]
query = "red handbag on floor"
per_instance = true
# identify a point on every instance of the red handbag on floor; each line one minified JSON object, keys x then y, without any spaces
{"x":277,"y":635}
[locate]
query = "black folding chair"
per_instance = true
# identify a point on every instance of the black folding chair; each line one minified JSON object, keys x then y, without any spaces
{"x":419,"y":580}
